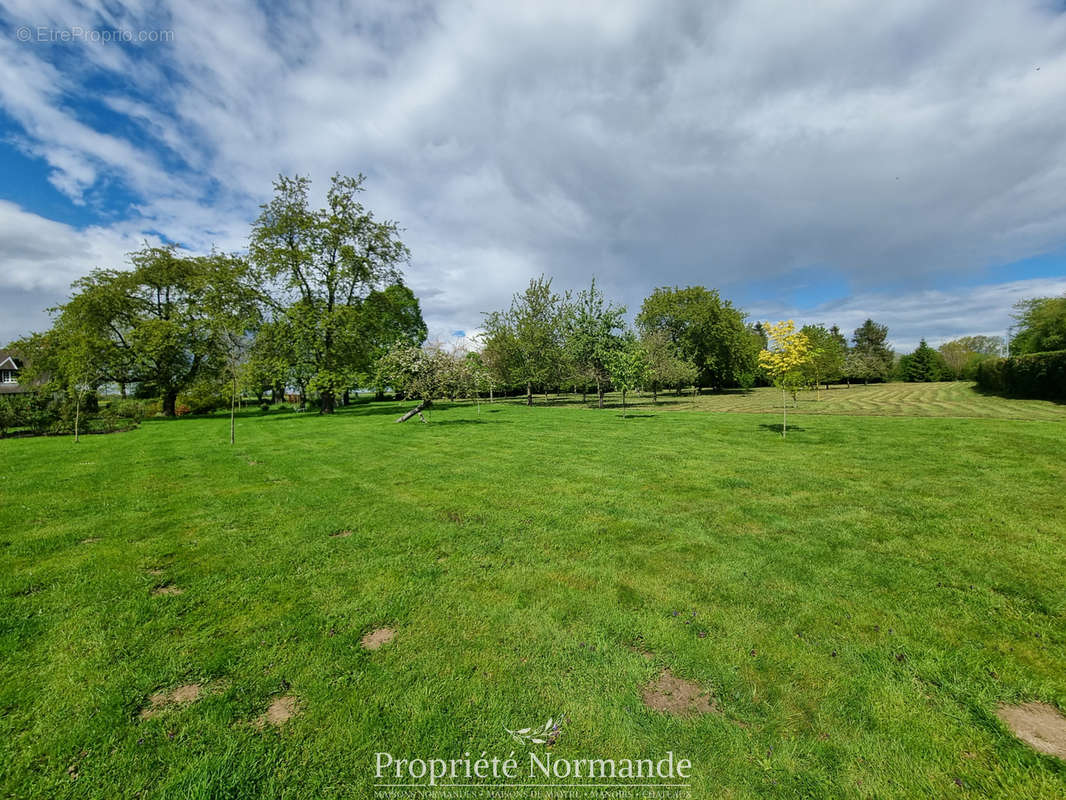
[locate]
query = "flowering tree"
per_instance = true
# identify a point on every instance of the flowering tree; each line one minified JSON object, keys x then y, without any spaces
{"x":788,"y":353}
{"x":430,"y":373}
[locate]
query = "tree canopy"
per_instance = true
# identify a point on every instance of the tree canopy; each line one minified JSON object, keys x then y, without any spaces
{"x":1041,"y":326}
{"x":320,"y":266}
{"x":525,"y":344}
{"x":593,"y":334}
{"x":156,"y":323}
{"x":923,"y":365}
{"x":870,"y":358}
{"x":705,"y":330}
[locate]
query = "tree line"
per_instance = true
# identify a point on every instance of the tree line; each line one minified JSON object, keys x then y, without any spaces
{"x":318,"y":307}
{"x":314,"y":305}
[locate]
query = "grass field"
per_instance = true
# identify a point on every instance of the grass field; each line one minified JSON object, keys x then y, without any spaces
{"x":956,"y":399}
{"x":858,"y":598}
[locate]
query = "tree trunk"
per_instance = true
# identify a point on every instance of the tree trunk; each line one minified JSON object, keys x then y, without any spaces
{"x":277,"y":393}
{"x":346,"y":398}
{"x":325,"y":402}
{"x":529,"y":393}
{"x":170,"y":402}
{"x":599,"y":394}
{"x":122,"y":389}
{"x":416,"y":410}
{"x":623,"y":402}
{"x":232,"y":412}
{"x":77,"y":419}
{"x":654,"y":393}
{"x":784,"y":412}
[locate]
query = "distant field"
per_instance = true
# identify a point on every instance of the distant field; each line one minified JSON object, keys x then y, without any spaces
{"x":856,"y":600}
{"x":957,"y":399}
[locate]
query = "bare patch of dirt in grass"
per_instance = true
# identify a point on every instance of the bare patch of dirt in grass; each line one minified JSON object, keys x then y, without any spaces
{"x":279,"y":712}
{"x":168,"y":590}
{"x":678,"y":696}
{"x":377,"y":638}
{"x":157,"y":571}
{"x":179,"y":696}
{"x":91,"y":540}
{"x":343,"y":534}
{"x":1039,"y":725}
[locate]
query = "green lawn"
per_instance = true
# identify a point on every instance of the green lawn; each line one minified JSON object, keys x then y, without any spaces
{"x":858,"y":597}
{"x":957,"y":399}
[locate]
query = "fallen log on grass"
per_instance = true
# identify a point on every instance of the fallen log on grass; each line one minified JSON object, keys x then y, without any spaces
{"x":416,"y":410}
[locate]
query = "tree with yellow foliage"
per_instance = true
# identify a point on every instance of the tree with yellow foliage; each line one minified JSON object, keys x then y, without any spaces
{"x":789,"y":351}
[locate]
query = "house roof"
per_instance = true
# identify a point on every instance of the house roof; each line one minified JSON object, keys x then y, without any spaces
{"x":8,"y":361}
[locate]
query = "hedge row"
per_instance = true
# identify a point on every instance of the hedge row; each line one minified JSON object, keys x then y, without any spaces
{"x":1034,"y":375}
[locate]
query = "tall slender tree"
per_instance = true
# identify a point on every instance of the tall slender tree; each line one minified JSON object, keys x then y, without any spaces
{"x":593,"y":334}
{"x":826,"y":356}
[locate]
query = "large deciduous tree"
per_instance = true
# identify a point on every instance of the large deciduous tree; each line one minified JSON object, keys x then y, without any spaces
{"x":1041,"y":326}
{"x":707,"y":330}
{"x":153,"y":324}
{"x":961,"y":356}
{"x":323,"y":264}
{"x":387,"y":318}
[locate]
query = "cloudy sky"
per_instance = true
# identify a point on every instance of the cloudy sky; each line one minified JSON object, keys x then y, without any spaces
{"x":826,"y":161}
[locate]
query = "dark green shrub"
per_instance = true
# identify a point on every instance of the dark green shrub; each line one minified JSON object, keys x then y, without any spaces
{"x":129,"y":409}
{"x":1037,"y":375}
{"x":1041,"y":375}
{"x":14,"y":410}
{"x":202,"y":398}
{"x":990,"y":375}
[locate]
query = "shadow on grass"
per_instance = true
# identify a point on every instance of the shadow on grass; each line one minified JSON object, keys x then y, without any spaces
{"x":636,"y":416}
{"x":1004,"y":396}
{"x":776,"y":427}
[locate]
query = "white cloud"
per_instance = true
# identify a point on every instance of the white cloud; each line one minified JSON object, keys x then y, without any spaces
{"x":40,"y":254}
{"x":648,"y":143}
